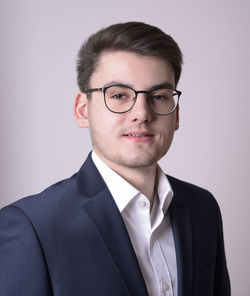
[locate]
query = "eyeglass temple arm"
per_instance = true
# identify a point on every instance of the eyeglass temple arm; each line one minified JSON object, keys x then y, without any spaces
{"x":90,"y":90}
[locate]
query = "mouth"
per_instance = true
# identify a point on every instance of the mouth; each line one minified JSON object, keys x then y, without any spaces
{"x":139,"y":136}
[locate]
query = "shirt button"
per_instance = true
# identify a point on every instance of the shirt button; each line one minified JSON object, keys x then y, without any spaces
{"x":165,"y":287}
{"x":142,"y":203}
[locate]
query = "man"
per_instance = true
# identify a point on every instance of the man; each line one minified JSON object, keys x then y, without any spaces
{"x":119,"y":226}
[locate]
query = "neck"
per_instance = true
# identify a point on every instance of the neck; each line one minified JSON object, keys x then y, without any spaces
{"x":142,"y":178}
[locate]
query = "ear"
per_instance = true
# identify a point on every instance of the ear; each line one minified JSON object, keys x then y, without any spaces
{"x":177,"y":119}
{"x":81,"y":110}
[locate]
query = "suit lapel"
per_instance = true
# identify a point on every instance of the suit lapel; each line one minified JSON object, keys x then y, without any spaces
{"x":102,"y":210}
{"x":110,"y":227}
{"x":182,"y":232}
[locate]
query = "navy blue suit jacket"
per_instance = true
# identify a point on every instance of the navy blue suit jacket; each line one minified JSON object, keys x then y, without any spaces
{"x":71,"y":240}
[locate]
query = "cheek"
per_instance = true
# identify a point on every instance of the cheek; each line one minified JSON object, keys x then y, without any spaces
{"x":104,"y":124}
{"x":97,"y":114}
{"x":168,"y":128}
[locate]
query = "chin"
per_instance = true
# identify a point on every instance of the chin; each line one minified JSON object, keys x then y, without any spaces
{"x":139,"y":161}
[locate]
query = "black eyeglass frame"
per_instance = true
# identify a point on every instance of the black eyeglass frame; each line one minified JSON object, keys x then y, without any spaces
{"x":104,"y":89}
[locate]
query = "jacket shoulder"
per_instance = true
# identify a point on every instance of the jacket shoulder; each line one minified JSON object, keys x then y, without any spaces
{"x":197,"y":198}
{"x":43,"y":207}
{"x":53,"y":194}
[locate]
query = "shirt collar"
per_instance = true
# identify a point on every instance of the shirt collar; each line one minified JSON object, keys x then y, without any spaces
{"x":123,"y":192}
{"x":165,"y":192}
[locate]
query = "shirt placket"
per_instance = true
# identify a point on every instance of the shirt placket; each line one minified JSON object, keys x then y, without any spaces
{"x":155,"y":254}
{"x":157,"y":258}
{"x":160,"y":268}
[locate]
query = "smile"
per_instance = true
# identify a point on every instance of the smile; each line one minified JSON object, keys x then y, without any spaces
{"x":139,"y":136}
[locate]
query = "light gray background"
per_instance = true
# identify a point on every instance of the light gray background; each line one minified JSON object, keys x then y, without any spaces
{"x":41,"y":144}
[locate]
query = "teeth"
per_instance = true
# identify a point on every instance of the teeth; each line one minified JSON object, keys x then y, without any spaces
{"x":134,"y":135}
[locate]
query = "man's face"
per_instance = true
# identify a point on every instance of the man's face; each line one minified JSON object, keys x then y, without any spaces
{"x":137,"y":138}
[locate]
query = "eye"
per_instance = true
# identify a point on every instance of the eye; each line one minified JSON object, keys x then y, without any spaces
{"x":159,"y":97}
{"x":119,"y":96}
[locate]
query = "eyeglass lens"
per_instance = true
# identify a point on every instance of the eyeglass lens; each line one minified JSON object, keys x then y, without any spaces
{"x":121,"y":99}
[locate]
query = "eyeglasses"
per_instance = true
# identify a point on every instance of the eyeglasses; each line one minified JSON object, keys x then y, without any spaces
{"x":122,"y":98}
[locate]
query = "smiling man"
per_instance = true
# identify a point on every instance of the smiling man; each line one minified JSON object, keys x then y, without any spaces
{"x":126,"y":133}
{"x":119,"y":226}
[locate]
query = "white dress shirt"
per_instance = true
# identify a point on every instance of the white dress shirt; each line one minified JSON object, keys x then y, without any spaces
{"x":150,"y":231}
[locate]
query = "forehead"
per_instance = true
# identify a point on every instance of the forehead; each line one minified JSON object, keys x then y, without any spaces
{"x":132,"y":69}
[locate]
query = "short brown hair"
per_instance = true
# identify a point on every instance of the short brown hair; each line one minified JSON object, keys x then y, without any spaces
{"x":136,"y":37}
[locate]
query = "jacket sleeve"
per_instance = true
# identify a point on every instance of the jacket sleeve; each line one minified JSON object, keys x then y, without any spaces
{"x":23,"y":270}
{"x":221,"y":277}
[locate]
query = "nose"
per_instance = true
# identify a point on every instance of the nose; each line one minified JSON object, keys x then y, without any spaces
{"x":141,"y":111}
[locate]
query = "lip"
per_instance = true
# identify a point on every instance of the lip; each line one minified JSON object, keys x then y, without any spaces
{"x":139,"y":136}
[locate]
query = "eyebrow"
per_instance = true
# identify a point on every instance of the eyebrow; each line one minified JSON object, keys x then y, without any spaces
{"x":153,"y":87}
{"x":116,"y":82}
{"x":162,"y":85}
